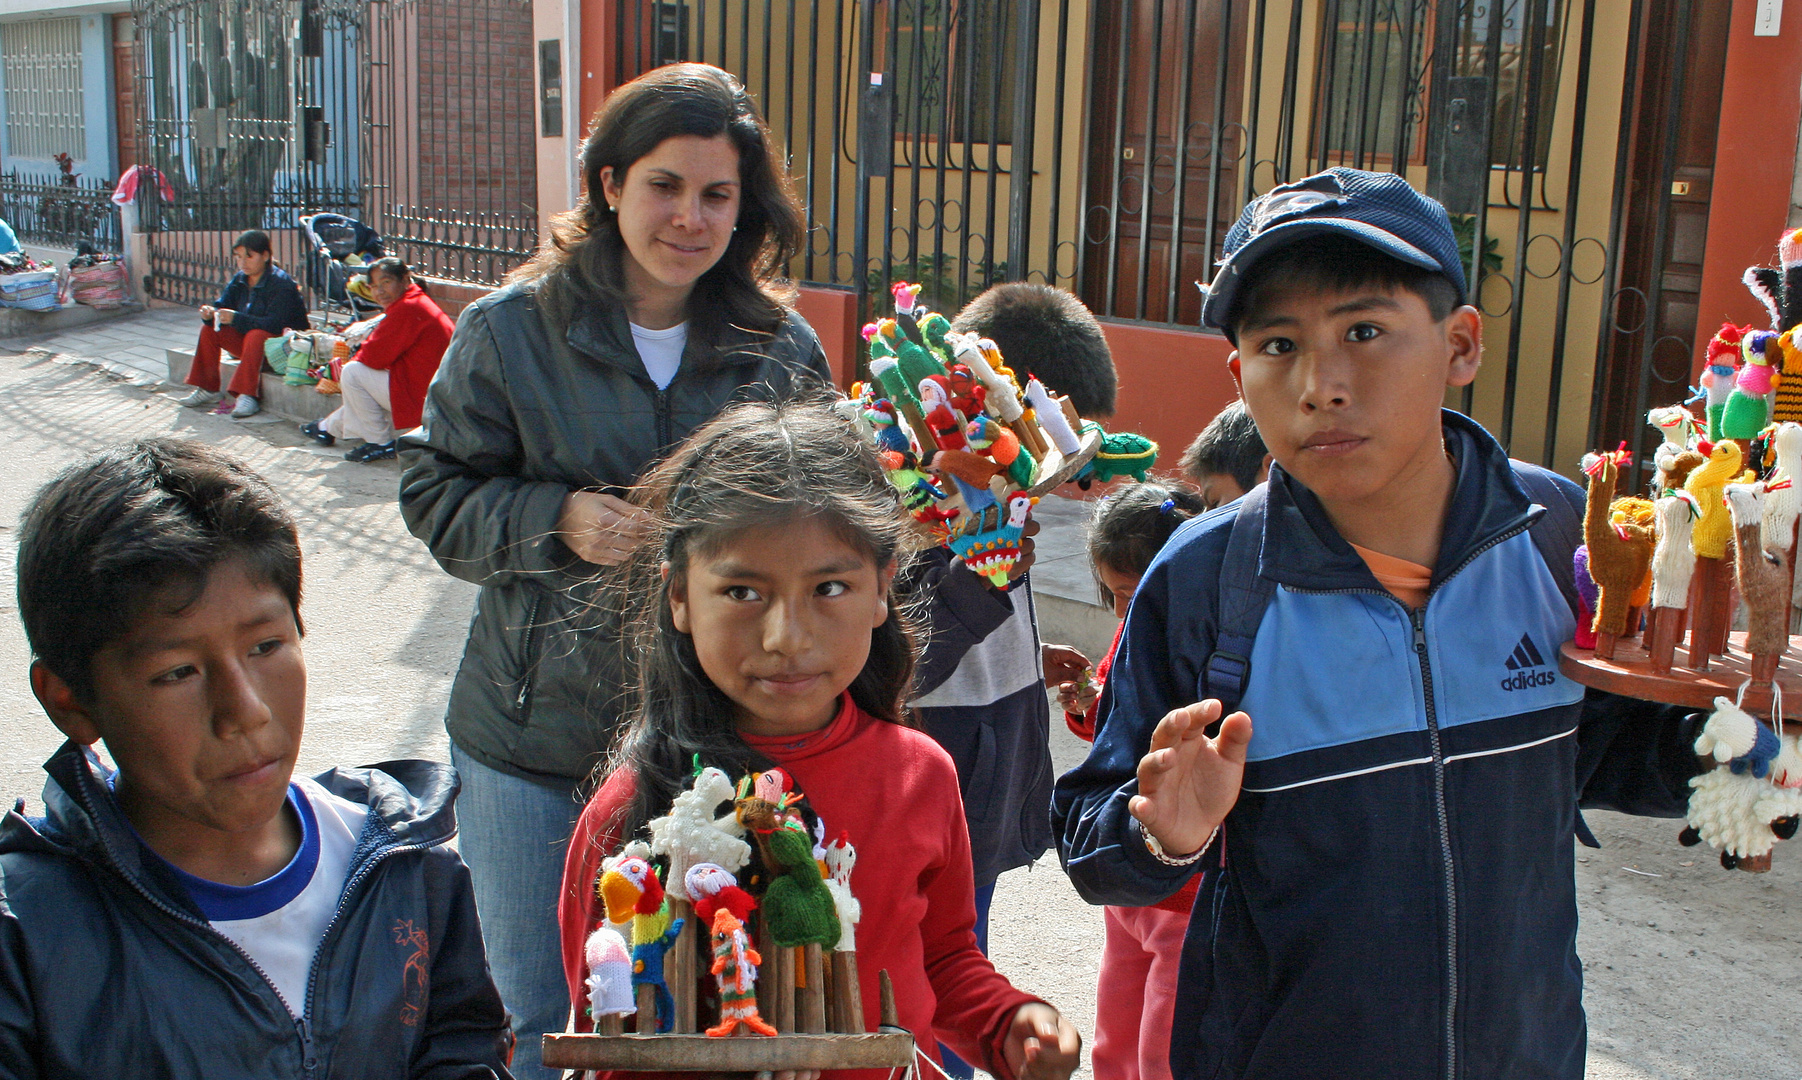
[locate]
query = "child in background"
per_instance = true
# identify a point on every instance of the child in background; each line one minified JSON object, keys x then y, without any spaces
{"x":1137,"y":993}
{"x":1228,"y":458}
{"x":194,"y":912}
{"x":770,"y":636}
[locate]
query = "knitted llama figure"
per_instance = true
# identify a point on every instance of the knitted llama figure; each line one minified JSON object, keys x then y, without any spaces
{"x":1782,"y":498}
{"x":1763,"y":576}
{"x":735,"y":966}
{"x":1619,"y":554}
{"x":841,"y":857}
{"x":609,"y":974}
{"x":1673,"y":563}
{"x":690,"y":834}
{"x":1714,"y":529}
{"x":1676,"y":425}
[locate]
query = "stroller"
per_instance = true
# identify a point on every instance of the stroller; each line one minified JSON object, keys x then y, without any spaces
{"x":336,"y":248}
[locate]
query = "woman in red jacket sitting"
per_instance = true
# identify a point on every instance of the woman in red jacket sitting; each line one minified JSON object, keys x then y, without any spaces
{"x":384,"y":387}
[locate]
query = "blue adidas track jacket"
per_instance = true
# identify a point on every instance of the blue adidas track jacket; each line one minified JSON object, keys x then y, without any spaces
{"x":1392,"y":896}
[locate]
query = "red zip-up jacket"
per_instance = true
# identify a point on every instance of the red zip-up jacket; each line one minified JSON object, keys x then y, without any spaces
{"x":408,"y":344}
{"x":895,"y":791}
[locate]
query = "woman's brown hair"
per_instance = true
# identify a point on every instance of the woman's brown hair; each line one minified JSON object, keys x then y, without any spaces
{"x":582,"y":262}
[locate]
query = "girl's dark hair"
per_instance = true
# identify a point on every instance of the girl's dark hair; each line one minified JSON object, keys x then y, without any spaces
{"x":582,"y":262}
{"x":139,"y":525}
{"x":1132,"y":525}
{"x":252,"y":240}
{"x":754,"y":464}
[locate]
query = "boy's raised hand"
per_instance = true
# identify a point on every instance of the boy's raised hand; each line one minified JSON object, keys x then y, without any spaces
{"x":1189,"y":782}
{"x":1042,"y":1045}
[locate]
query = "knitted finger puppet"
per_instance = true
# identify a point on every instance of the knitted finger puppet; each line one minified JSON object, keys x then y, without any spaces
{"x":1748,"y":406}
{"x":631,"y":887}
{"x":1787,"y":405}
{"x":1588,"y":594}
{"x":841,"y":857}
{"x":992,"y":552}
{"x":1051,"y":417}
{"x":947,"y":426}
{"x":1782,"y":498}
{"x":735,"y":966}
{"x":1619,"y":552}
{"x":880,"y":415}
{"x":1714,"y":529}
{"x":1122,"y":453}
{"x":1717,"y":375}
{"x":967,"y":392}
{"x":796,"y":906}
{"x":1635,"y":511}
{"x":919,"y":494}
{"x":1673,"y":563}
{"x":1677,"y":426}
{"x":609,"y":974}
{"x":1673,"y":478}
{"x":1763,"y":576}
{"x":888,"y":375}
{"x":690,"y":833}
{"x":986,"y":436}
{"x":1733,"y":736}
{"x":971,"y":473}
{"x":714,"y":888}
{"x":1726,"y":809}
{"x":1003,"y":398}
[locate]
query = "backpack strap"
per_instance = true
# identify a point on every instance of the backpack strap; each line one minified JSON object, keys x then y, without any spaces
{"x":1243,"y":595}
{"x":1559,"y":531}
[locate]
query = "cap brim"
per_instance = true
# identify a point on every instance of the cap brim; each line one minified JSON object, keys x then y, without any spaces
{"x":1224,"y":289}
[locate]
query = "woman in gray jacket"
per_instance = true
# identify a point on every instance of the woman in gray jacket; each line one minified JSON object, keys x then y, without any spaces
{"x":656,"y":302}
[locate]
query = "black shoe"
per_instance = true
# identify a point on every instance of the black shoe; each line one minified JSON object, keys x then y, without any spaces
{"x":371,"y":451}
{"x":315,"y":430}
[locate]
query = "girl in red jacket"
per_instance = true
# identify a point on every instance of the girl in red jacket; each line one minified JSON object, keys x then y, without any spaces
{"x":767,"y":635}
{"x":1137,"y":995}
{"x":384,"y":387}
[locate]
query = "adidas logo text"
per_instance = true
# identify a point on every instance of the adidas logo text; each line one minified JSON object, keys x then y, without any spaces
{"x":1522,"y":662}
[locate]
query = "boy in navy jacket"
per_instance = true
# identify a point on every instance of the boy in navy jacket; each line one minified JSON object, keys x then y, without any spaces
{"x":195,"y":912}
{"x":1386,"y":828}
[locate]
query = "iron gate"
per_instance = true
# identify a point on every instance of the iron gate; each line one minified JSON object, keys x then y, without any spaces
{"x":411,"y":115}
{"x":1105,"y":146}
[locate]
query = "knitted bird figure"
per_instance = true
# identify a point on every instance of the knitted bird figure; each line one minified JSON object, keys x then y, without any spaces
{"x":917,"y":362}
{"x":1714,"y":529}
{"x":631,"y":888}
{"x":1731,"y":735}
{"x":907,"y":297}
{"x":713,"y":888}
{"x":992,"y":554}
{"x":1717,"y":375}
{"x":735,"y":966}
{"x":986,"y":436}
{"x":609,"y":974}
{"x":1763,"y":576}
{"x":1748,"y":406}
{"x":880,"y":415}
{"x":919,"y":494}
{"x":967,"y":391}
{"x":1619,"y":554}
{"x":690,"y":833}
{"x":841,"y":857}
{"x":947,"y":426}
{"x":1782,"y":498}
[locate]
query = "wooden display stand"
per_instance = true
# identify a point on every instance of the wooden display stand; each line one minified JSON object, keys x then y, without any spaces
{"x":795,"y":988}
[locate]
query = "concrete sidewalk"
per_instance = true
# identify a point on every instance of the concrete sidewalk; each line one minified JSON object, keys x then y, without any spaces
{"x":132,"y":347}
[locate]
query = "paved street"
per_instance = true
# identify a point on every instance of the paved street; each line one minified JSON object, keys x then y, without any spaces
{"x":1692,"y":972}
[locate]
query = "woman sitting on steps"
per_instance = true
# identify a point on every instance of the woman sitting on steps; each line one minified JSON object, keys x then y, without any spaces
{"x":258,"y":303}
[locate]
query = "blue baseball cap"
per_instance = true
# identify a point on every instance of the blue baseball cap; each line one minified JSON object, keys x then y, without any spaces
{"x":1377,"y":208}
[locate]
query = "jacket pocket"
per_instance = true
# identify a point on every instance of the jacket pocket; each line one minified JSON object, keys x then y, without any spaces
{"x":528,"y":656}
{"x":981,"y":786}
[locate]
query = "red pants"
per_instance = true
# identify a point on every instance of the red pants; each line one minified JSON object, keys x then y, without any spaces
{"x":248,"y":348}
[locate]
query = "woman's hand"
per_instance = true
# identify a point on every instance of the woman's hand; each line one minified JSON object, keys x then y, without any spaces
{"x":224,"y":316}
{"x":1041,"y":1044}
{"x":206,"y":312}
{"x":601,"y":528}
{"x":1189,"y":782}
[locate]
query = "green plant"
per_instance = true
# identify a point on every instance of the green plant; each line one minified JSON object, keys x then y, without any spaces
{"x":1464,"y":227}
{"x":937,"y":276}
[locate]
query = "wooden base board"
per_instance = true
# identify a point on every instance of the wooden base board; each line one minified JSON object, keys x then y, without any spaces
{"x":1631,"y":672}
{"x":698,"y":1053}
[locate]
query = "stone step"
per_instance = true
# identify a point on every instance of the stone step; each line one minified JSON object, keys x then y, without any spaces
{"x":298,"y":403}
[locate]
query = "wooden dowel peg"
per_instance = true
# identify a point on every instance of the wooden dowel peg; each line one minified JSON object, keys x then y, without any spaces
{"x":849,"y":991}
{"x":610,"y":1025}
{"x":891,"y":1017}
{"x":680,"y":968}
{"x":647,"y":1010}
{"x":812,"y":1004}
{"x":1605,"y":645}
{"x":784,"y":1020}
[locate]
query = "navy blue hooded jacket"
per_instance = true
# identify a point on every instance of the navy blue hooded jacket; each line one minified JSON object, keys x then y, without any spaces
{"x":1393,"y":894}
{"x":108,"y":969}
{"x":273,"y":306}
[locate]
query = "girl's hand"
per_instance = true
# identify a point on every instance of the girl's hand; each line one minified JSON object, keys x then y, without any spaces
{"x":1042,"y":1045}
{"x":1189,"y":782}
{"x":1075,"y":699}
{"x":601,"y":528}
{"x":1062,"y":663}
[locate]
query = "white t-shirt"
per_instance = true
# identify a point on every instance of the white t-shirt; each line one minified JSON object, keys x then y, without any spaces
{"x":661,"y":351}
{"x":281,"y":922}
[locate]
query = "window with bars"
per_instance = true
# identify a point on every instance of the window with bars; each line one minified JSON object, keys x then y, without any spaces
{"x":42,"y":65}
{"x":954,"y":70}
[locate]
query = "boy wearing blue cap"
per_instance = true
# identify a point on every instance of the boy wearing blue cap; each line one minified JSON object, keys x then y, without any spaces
{"x":1385,"y":828}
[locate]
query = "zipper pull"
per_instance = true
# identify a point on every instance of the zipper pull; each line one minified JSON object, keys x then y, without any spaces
{"x":308,"y":1061}
{"x":1420,"y":631}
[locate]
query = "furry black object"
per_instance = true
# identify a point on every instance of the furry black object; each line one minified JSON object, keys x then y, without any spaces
{"x":1049,"y":334}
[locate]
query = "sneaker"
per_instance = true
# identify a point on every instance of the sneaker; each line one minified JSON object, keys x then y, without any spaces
{"x":200,"y":399}
{"x":246,"y":406}
{"x":371,"y":451}
{"x":315,"y":430}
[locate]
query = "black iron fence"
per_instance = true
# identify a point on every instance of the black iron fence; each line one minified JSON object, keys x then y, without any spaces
{"x":54,"y":214}
{"x":1106,"y":146}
